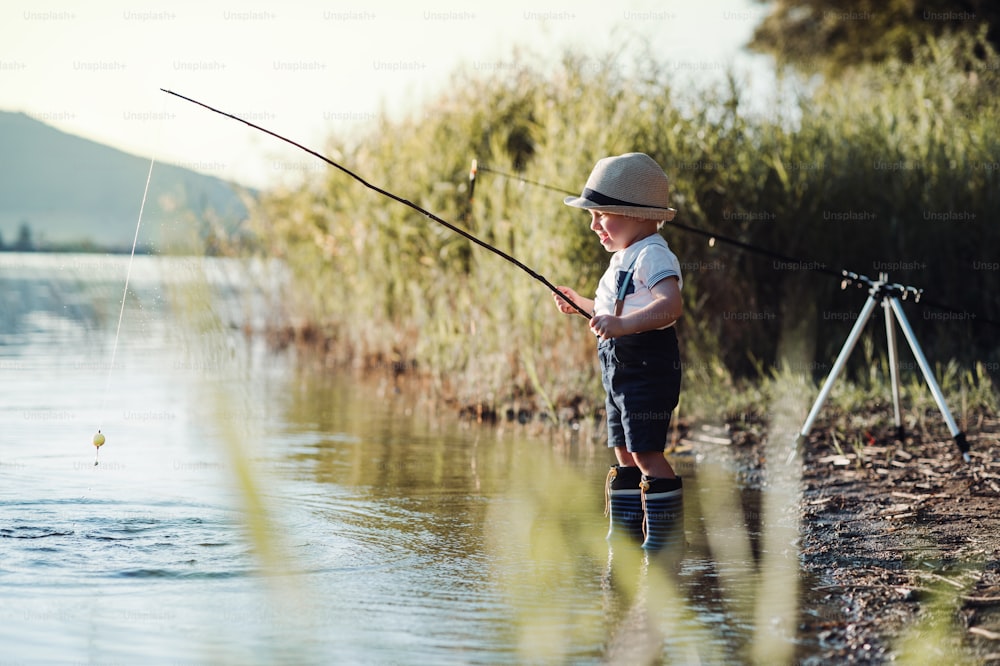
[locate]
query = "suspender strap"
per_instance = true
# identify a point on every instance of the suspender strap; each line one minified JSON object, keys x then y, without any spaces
{"x":623,"y":288}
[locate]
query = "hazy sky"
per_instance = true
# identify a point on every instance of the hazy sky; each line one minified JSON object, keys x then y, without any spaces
{"x":304,"y":69}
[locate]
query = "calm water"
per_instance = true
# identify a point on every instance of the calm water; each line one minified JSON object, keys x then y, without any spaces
{"x":249,"y":508}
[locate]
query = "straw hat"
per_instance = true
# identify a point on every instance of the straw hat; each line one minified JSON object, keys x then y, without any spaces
{"x":632,"y":184}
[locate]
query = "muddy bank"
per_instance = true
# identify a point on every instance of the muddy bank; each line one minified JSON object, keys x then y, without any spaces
{"x":899,"y":538}
{"x":519,"y":404}
{"x":902,"y":539}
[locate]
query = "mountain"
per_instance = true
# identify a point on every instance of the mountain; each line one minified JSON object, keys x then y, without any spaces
{"x":67,"y":190}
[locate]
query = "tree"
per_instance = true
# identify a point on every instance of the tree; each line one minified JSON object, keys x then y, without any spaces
{"x":830,"y":35}
{"x":24,"y":243}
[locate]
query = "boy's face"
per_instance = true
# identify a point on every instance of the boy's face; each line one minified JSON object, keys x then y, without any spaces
{"x":617,"y":232}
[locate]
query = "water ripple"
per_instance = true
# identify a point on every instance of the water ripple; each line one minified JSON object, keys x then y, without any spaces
{"x":31,"y":532}
{"x":87,"y":538}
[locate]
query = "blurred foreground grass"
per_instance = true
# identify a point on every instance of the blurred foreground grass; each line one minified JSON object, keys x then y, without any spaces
{"x":544,"y":536}
{"x":893,"y":168}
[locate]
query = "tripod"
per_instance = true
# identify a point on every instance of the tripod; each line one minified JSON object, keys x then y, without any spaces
{"x":888,"y":295}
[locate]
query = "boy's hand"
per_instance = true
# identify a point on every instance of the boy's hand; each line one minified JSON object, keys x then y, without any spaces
{"x":563,"y":306}
{"x":607,"y":326}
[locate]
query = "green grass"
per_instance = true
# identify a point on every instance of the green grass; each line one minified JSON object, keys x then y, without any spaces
{"x":903,"y":148}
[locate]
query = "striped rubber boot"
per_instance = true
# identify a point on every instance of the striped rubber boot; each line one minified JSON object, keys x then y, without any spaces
{"x":623,"y":502}
{"x":663,"y":509}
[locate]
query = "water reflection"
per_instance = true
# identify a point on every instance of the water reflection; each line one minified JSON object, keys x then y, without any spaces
{"x":508,"y":530}
{"x":287,"y":513}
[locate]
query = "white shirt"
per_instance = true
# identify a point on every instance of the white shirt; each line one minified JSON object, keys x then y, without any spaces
{"x":650,"y":260}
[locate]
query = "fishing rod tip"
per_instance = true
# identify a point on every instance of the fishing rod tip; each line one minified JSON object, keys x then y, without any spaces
{"x":474,"y":169}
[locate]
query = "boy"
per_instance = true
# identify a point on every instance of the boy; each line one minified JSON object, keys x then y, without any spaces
{"x":637,"y":303}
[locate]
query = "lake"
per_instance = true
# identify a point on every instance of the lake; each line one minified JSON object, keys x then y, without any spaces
{"x":251,"y":506}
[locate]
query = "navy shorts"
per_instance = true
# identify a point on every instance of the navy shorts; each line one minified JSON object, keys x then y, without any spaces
{"x":641,"y":374}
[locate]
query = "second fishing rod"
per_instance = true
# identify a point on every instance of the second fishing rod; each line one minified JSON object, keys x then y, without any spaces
{"x":847,"y":277}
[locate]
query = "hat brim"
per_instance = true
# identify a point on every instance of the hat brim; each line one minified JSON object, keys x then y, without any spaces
{"x":644,"y":212}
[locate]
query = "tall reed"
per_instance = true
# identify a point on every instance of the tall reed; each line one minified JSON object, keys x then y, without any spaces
{"x":891,"y":169}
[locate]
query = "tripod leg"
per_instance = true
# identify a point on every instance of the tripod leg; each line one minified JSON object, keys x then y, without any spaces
{"x":890,"y":338}
{"x":925,"y":368}
{"x":838,"y":365}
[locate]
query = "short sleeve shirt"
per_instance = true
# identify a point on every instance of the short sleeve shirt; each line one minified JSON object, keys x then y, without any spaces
{"x":651,"y":261}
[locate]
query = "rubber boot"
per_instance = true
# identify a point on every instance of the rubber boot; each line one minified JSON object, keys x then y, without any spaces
{"x":623,"y":502}
{"x":663,"y":510}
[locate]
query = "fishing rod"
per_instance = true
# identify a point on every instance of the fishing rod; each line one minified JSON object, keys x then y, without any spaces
{"x":397,"y":198}
{"x":846,"y":277}
{"x":712,"y":237}
{"x":879,"y":291}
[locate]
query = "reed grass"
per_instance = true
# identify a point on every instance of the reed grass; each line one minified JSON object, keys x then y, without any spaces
{"x":889,"y":168}
{"x":379,"y":285}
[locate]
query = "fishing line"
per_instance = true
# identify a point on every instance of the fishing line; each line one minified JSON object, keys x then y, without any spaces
{"x":396,"y":198}
{"x":99,"y":438}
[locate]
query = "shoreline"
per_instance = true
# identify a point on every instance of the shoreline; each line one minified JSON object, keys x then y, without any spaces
{"x":900,"y":536}
{"x":897,"y":537}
